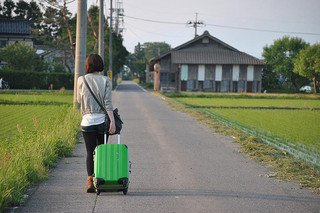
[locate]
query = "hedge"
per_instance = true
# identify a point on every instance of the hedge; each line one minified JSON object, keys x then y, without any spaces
{"x":37,"y":80}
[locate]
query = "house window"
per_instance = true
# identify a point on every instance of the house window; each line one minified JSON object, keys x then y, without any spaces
{"x":225,"y":86}
{"x":184,"y":72}
{"x":241,"y":86}
{"x":207,"y":84}
{"x":163,"y":77}
{"x":167,"y":77}
{"x":190,"y":85}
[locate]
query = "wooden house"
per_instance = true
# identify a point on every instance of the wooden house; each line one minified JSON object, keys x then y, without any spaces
{"x":205,"y":63}
{"x":12,"y":31}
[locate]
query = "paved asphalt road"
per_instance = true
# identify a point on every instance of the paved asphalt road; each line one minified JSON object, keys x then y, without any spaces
{"x":178,"y":166}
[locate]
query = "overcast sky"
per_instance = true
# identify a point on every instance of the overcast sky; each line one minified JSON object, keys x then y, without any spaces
{"x":287,"y":16}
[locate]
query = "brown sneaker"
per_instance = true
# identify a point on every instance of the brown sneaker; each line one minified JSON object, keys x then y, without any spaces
{"x":90,"y":187}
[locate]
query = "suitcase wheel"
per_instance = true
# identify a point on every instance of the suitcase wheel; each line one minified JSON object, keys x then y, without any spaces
{"x":125,"y":191}
{"x":98,"y":192}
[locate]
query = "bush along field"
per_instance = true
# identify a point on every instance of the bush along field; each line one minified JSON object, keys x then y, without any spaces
{"x":279,"y":130}
{"x":37,"y":129}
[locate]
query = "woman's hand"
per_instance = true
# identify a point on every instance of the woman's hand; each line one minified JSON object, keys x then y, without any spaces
{"x":112,"y":128}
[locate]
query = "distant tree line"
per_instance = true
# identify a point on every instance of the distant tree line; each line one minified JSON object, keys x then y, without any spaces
{"x":291,"y":64}
{"x":142,"y":54}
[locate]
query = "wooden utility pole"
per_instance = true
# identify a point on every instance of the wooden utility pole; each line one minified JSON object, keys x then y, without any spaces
{"x":81,"y":45}
{"x":101,"y":31}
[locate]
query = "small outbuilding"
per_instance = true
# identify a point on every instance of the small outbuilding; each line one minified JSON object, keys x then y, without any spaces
{"x":205,"y":63}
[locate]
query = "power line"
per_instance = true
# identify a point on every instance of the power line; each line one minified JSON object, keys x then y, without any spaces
{"x":262,"y":30}
{"x":154,"y":21}
{"x":225,"y":26}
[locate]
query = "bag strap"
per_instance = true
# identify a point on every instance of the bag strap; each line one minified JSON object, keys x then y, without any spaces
{"x":95,"y":98}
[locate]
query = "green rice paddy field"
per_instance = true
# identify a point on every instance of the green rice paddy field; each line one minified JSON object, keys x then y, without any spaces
{"x":251,"y":102}
{"x":300,"y":128}
{"x":22,"y":110}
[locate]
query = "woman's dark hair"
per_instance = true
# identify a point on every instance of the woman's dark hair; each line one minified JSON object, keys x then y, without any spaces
{"x":94,"y":63}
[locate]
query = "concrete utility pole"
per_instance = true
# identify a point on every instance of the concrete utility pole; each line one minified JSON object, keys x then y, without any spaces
{"x":101,"y":31}
{"x":110,"y":37}
{"x":81,"y":42}
{"x":195,"y":24}
{"x":110,"y":44}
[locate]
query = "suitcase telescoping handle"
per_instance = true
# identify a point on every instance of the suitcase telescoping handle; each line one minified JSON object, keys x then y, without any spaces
{"x":105,"y":138}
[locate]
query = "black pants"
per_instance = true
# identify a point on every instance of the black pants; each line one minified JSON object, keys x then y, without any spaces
{"x":93,"y":136}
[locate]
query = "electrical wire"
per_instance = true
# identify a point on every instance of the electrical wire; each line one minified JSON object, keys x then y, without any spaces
{"x":130,"y":27}
{"x":261,"y":30}
{"x":223,"y":26}
{"x":154,"y":21}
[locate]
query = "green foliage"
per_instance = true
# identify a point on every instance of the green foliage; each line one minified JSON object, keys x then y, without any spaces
{"x":27,"y":152}
{"x":37,"y":98}
{"x":39,"y":80}
{"x":153,"y":49}
{"x":299,"y":127}
{"x":142,"y":54}
{"x":140,"y":68}
{"x":19,"y":56}
{"x":307,"y":64}
{"x":58,"y":67}
{"x":119,"y":52}
{"x":280,"y":56}
{"x":147,"y":85}
{"x":7,"y":9}
{"x":92,"y":29}
{"x":251,"y":102}
{"x":269,"y":80}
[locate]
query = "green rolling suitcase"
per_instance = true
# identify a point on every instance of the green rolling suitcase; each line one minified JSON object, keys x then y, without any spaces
{"x":111,"y":168}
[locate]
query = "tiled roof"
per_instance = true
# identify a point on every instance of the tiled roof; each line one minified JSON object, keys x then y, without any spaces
{"x":224,"y":54}
{"x":213,"y":56}
{"x":14,"y":27}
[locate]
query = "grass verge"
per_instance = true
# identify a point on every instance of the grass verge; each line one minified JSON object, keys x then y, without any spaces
{"x":27,"y":157}
{"x":287,"y":168}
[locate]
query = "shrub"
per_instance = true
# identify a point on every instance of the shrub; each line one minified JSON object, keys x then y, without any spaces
{"x":39,"y":80}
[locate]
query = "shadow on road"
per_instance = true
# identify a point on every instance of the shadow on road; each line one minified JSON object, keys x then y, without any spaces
{"x":218,"y":194}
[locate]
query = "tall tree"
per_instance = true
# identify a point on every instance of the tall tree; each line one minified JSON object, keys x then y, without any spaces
{"x":21,"y":10}
{"x":153,"y":49}
{"x":34,"y":15}
{"x":93,"y":22}
{"x":119,"y":53}
{"x":8,"y":9}
{"x":51,"y":27}
{"x":61,"y":5}
{"x":307,"y":64}
{"x":139,"y":52}
{"x":280,"y":56}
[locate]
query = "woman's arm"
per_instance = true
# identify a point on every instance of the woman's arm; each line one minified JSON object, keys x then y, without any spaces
{"x":112,"y":128}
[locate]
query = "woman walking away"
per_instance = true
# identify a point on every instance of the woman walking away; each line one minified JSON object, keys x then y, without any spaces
{"x":93,"y":117}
